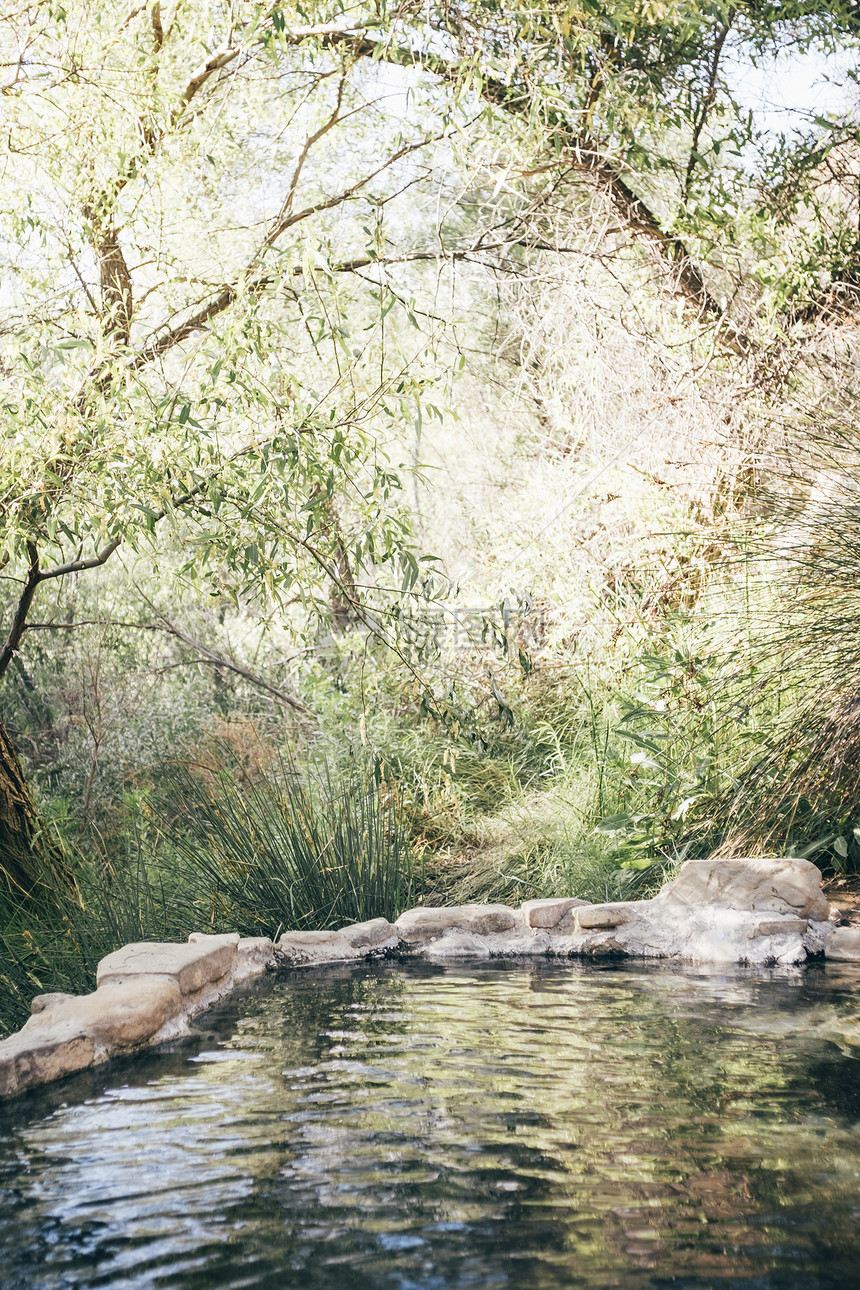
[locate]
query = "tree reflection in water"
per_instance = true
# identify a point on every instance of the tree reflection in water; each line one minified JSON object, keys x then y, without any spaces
{"x":500,"y":1125}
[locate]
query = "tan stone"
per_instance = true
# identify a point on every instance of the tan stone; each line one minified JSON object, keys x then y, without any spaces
{"x":47,"y":1053}
{"x":843,"y":944}
{"x":548,"y":913}
{"x":315,"y":947}
{"x":779,"y":926}
{"x":213,"y":938}
{"x":40,"y":1002}
{"x":595,"y":917}
{"x":376,"y":931}
{"x":423,"y":924}
{"x":8,"y":1073}
{"x":190,"y":966}
{"x":253,"y":954}
{"x":119,"y":1014}
{"x":785,"y":886}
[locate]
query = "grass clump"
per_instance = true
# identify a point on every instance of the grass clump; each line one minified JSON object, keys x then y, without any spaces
{"x":53,"y":941}
{"x":287,"y":847}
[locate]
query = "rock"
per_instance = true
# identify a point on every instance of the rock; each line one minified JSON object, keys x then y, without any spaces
{"x":300,"y":948}
{"x":191,"y":966}
{"x":40,"y":1002}
{"x":594,"y":917}
{"x":425,"y":924}
{"x":46,"y":1054}
{"x":365,"y":936}
{"x":785,"y":886}
{"x":778,"y":926}
{"x":457,"y":945}
{"x":843,"y":944}
{"x":253,"y":955}
{"x":530,"y":941}
{"x":548,"y":913}
{"x":416,"y":925}
{"x":212,"y":939}
{"x":118,"y":1014}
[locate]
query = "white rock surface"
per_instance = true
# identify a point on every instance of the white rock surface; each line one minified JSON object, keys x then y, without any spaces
{"x":843,"y":944}
{"x":457,"y":945}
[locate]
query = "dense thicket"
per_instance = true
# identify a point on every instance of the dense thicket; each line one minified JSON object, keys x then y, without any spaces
{"x":465,"y":389}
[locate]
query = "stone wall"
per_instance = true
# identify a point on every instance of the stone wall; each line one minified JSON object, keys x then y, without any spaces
{"x":755,"y":912}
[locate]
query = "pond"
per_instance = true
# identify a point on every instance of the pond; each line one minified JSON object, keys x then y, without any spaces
{"x":493,"y":1126}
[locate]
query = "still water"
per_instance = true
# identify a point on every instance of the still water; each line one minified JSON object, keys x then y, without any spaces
{"x":495,"y":1126}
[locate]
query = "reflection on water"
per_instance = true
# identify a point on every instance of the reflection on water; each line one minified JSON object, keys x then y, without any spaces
{"x":492,"y":1126}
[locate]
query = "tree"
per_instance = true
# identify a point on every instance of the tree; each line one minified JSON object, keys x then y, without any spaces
{"x":212,"y":253}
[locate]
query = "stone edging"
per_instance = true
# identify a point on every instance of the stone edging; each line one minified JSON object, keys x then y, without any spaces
{"x":716,"y":911}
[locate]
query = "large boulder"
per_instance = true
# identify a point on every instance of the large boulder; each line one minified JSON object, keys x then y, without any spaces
{"x":784,"y":886}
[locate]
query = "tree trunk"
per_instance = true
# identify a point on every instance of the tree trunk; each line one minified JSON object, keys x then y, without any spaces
{"x":20,"y":859}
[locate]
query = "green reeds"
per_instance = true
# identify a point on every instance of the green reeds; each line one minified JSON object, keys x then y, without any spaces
{"x":55,"y":943}
{"x":287,"y":848}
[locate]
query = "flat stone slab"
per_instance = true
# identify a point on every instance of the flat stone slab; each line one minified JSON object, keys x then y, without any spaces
{"x":780,"y":926}
{"x":785,"y":886}
{"x":307,"y":948}
{"x":424,"y":924}
{"x":548,"y":913}
{"x":586,"y":918}
{"x":843,"y":945}
{"x":366,"y":936}
{"x":48,"y":1054}
{"x":191,"y":966}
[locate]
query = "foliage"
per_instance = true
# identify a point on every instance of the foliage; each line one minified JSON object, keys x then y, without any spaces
{"x":55,"y":943}
{"x":287,"y":848}
{"x":298,"y":296}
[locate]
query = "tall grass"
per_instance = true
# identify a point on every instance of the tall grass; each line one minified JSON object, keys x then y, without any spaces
{"x":56,"y":943}
{"x":287,"y":848}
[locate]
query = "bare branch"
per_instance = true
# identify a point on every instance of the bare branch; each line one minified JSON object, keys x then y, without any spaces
{"x":77,"y":566}
{"x":218,"y":660}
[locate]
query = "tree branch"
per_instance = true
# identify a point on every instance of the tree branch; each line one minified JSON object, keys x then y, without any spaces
{"x":218,"y":660}
{"x":170,"y":629}
{"x":77,"y":566}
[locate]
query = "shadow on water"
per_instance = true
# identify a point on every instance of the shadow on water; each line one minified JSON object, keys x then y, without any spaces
{"x":499,"y":1125}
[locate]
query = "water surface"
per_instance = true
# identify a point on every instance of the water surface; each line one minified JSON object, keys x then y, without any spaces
{"x":494,"y":1126}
